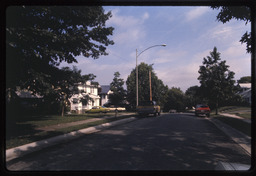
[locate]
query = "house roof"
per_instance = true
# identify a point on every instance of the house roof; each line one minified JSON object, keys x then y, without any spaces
{"x":86,"y":84}
{"x":105,"y":89}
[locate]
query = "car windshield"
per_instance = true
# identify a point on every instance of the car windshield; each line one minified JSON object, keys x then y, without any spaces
{"x":202,"y":106}
{"x":146,"y":103}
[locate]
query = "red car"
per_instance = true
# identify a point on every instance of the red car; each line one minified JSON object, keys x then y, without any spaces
{"x":202,"y":110}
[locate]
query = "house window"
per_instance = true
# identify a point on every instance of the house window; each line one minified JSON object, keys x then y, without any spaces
{"x":92,"y":90}
{"x":75,"y":101}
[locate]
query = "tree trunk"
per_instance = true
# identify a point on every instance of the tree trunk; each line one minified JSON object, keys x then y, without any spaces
{"x":216,"y":110}
{"x":62,"y":110}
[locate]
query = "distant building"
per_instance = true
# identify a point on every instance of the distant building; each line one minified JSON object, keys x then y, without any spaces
{"x":84,"y":89}
{"x":104,"y":93}
{"x":246,"y":92}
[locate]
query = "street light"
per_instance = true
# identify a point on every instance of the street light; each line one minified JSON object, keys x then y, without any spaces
{"x":137,"y":81}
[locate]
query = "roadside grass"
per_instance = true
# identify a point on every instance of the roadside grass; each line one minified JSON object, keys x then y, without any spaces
{"x":234,"y":108}
{"x":241,"y":111}
{"x":42,"y":121}
{"x":238,"y":124}
{"x":246,"y":115}
{"x":24,"y":129}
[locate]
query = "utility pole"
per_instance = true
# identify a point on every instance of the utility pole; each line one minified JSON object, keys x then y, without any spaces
{"x":150,"y":88}
{"x":137,"y":80}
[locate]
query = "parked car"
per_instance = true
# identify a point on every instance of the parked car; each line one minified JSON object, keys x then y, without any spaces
{"x":148,"y":107}
{"x":172,"y":111}
{"x":99,"y":109}
{"x":202,"y":109}
{"x":119,"y":109}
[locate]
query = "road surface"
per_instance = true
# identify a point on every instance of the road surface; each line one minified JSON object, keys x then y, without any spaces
{"x":166,"y":142}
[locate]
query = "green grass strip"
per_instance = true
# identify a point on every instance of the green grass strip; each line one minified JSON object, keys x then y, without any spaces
{"x":16,"y":141}
{"x":238,"y":124}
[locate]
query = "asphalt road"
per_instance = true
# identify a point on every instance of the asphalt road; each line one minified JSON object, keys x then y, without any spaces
{"x":168,"y":142}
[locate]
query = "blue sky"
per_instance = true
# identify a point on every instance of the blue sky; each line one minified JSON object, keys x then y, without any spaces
{"x":190,"y":33}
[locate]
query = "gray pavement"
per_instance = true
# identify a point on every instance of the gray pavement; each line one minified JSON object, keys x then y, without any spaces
{"x":168,"y":142}
{"x":240,"y":138}
{"x":38,"y":145}
{"x":243,"y":140}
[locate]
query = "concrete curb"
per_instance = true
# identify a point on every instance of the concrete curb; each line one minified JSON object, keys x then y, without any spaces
{"x":241,"y":139}
{"x":38,"y":145}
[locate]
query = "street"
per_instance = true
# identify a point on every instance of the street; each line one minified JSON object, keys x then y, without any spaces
{"x":166,"y":142}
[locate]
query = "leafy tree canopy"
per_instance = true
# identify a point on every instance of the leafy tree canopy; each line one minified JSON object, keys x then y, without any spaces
{"x":39,"y":38}
{"x":245,"y":79}
{"x":159,"y":90}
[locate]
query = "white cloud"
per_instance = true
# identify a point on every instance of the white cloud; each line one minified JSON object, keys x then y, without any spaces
{"x":182,"y":76}
{"x":196,"y":13}
{"x":168,"y":56}
{"x":127,"y":28}
{"x":238,"y":60}
{"x":121,"y":21}
{"x":145,"y":16}
{"x":225,"y":33}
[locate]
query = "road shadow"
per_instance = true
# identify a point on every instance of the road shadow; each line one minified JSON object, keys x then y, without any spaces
{"x":164,"y":143}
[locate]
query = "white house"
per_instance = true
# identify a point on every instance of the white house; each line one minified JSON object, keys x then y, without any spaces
{"x":246,"y":91}
{"x":83,"y":90}
{"x":104,"y":94}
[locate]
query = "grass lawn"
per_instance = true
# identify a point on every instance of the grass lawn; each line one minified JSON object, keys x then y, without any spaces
{"x":21,"y":130}
{"x":228,"y":109}
{"x":236,"y":123}
{"x":246,"y":115}
{"x":244,"y":112}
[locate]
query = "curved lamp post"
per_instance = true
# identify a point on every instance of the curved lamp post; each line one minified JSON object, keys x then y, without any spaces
{"x":137,"y":86}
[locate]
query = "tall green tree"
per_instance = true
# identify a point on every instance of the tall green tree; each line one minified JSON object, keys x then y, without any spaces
{"x":243,"y":13}
{"x":39,"y":38}
{"x":193,"y":96}
{"x":119,"y":93}
{"x":159,"y":90}
{"x":245,"y":79}
{"x":175,"y":100}
{"x":217,"y":81}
